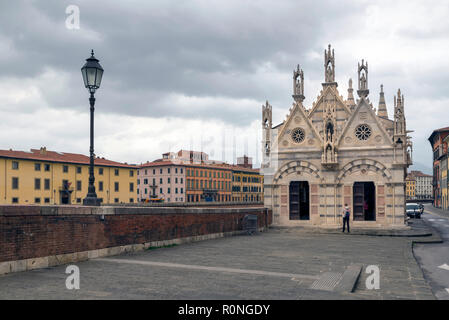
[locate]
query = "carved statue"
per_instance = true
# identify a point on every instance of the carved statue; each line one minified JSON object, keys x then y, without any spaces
{"x":363,"y":82}
{"x":329,"y":74}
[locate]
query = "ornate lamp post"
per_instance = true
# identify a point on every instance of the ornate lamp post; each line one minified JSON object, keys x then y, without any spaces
{"x":92,"y":74}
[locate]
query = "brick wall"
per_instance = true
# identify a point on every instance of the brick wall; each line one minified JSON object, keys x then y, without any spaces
{"x":38,"y":231}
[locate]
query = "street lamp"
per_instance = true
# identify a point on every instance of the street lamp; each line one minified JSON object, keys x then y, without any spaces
{"x":92,"y":73}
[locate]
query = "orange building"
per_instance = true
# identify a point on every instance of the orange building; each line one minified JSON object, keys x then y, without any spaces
{"x":208,"y":183}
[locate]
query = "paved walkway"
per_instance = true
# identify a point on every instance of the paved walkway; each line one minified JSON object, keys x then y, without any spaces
{"x":277,"y":264}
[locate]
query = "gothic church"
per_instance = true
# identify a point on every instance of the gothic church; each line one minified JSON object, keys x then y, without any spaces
{"x":336,"y":152}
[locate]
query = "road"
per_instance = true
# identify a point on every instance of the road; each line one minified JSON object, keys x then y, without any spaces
{"x":434,"y":257}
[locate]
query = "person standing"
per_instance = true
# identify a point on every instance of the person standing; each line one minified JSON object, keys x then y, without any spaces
{"x":346,"y":215}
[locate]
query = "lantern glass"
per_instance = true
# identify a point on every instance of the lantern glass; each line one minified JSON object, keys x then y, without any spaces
{"x":92,"y":73}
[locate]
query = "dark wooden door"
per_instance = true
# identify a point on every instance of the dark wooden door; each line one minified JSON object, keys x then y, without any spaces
{"x":359,"y":198}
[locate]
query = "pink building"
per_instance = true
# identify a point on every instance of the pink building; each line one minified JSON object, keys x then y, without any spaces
{"x":164,"y":179}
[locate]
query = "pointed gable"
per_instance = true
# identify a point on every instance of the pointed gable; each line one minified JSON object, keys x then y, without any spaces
{"x":298,"y":120}
{"x":364,"y":128}
{"x":316,"y":114}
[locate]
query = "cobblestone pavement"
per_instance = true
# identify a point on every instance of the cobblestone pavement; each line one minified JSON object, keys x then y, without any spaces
{"x":277,"y":264}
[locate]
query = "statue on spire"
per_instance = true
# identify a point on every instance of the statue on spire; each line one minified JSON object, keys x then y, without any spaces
{"x":363,"y":79}
{"x":329,"y":65}
{"x":399,"y":118}
{"x":298,"y":85}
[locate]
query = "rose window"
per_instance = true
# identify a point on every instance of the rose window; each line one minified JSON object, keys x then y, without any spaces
{"x":298,"y":135}
{"x":363,"y":132}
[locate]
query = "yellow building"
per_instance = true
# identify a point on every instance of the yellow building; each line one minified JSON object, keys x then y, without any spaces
{"x":247,"y":185}
{"x":444,"y":178}
{"x":49,"y":177}
{"x":410,"y":186}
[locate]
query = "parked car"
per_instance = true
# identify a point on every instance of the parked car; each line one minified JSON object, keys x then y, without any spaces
{"x":413,"y":210}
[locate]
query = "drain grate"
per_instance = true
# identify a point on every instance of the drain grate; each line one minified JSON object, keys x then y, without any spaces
{"x":327,"y":281}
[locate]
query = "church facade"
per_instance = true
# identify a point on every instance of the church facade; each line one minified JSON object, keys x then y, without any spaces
{"x":337,"y":151}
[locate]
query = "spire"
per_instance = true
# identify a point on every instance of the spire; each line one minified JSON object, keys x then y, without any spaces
{"x":329,"y":67}
{"x":350,"y":101}
{"x":382,"y":109}
{"x":399,"y":118}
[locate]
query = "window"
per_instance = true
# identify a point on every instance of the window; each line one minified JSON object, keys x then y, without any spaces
{"x":160,"y":191}
{"x":15,"y":200}
{"x":37,"y":200}
{"x":160,"y":171}
{"x":78,"y":169}
{"x":78,"y":200}
{"x":116,"y":186}
{"x":146,"y":172}
{"x":116,"y":200}
{"x":46,"y":167}
{"x":176,"y":170}
{"x":168,"y":190}
{"x":168,"y":170}
{"x":65,"y":169}
{"x":176,"y":190}
{"x":181,"y":170}
{"x":78,"y":185}
{"x":131,"y":200}
{"x":363,"y":132}
{"x":116,"y":172}
{"x":47,"y":184}
{"x":131,"y":187}
{"x":100,"y":185}
{"x":145,"y":181}
{"x":168,"y":180}
{"x":37,"y":184}
{"x":298,"y":135}
{"x":176,"y":180}
{"x":182,"y":180}
{"x":131,"y":173}
{"x":100,"y":171}
{"x":47,"y":200}
{"x":154,"y":171}
{"x":138,"y":181}
{"x":182,"y":190}
{"x":160,"y":180}
{"x":15,"y":166}
{"x":37,"y":167}
{"x":15,"y":183}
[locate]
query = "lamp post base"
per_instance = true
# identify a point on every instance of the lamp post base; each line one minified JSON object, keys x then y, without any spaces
{"x":91,"y":201}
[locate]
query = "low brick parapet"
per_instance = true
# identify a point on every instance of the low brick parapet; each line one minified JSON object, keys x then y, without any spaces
{"x":28,"y":232}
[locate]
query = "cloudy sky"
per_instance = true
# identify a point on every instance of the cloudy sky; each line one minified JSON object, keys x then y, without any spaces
{"x":194,"y":74}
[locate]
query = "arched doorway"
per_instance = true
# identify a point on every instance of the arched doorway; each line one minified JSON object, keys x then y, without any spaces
{"x":364,"y":201}
{"x":299,"y":200}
